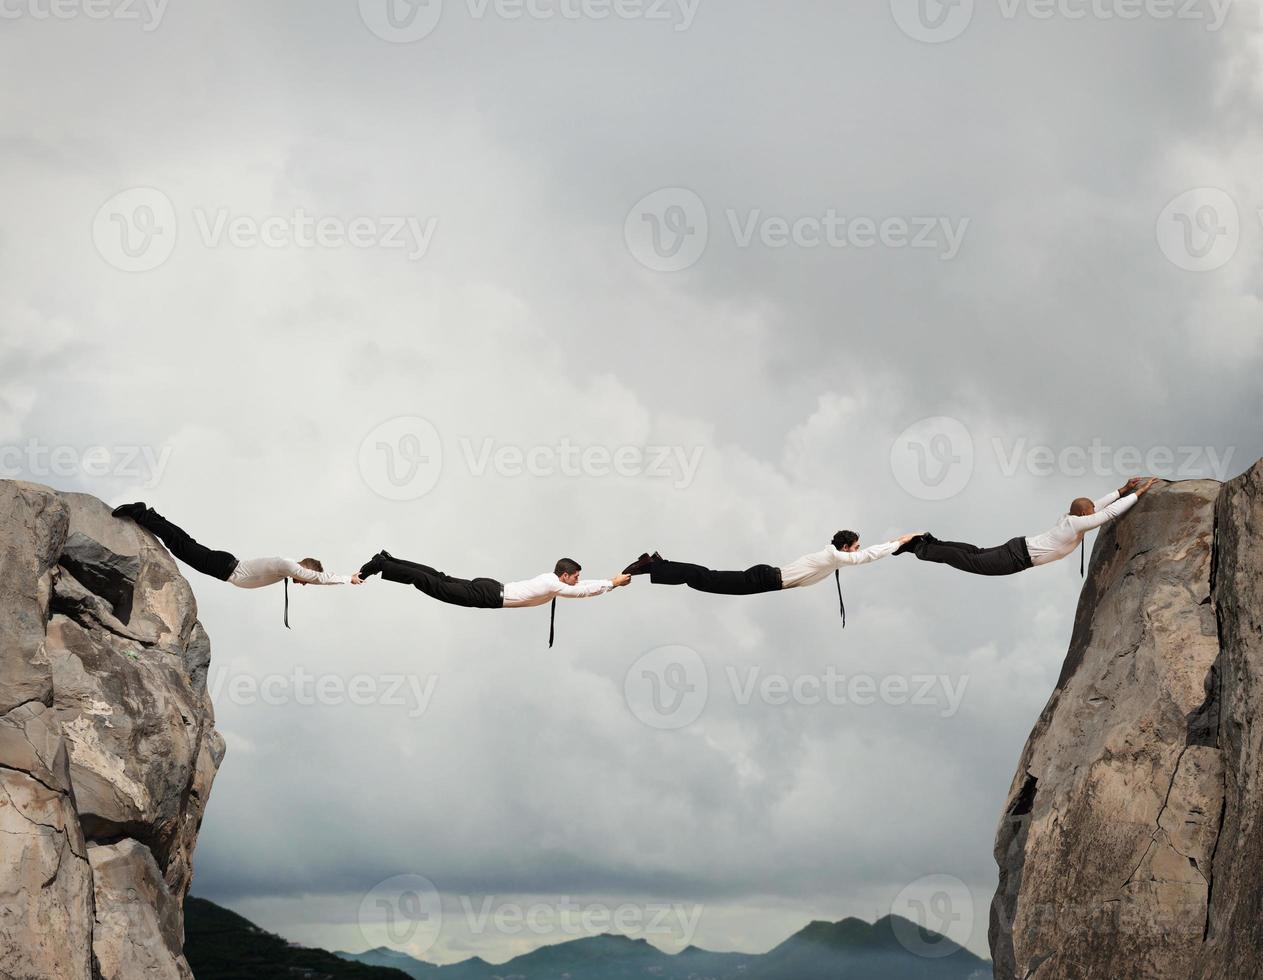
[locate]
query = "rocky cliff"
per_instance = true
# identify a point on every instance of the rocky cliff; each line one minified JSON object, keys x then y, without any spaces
{"x":1131,"y":843}
{"x":107,"y":742}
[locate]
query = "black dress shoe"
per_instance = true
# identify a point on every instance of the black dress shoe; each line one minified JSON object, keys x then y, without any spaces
{"x":643,"y":564}
{"x":911,"y":544}
{"x":131,"y":511}
{"x":372,"y":566}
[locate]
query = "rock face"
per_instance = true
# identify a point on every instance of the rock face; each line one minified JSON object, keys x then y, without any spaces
{"x":107,"y":742}
{"x":1131,"y":843}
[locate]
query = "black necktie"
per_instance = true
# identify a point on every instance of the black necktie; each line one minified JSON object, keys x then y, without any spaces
{"x":837,"y":579}
{"x":1083,"y":550}
{"x":287,"y":626}
{"x":552,"y":620}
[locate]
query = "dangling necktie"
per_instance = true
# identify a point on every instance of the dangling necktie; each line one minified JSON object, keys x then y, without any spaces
{"x":287,"y":626}
{"x":552,"y":621}
{"x":1083,"y":550}
{"x":837,"y":580}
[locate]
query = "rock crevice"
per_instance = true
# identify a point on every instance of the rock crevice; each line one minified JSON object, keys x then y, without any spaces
{"x":108,"y":745}
{"x":1129,"y":846}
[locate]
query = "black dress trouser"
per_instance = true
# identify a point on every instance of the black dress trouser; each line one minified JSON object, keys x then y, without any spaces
{"x":218,"y":564}
{"x":478,"y":593}
{"x":751,"y":581}
{"x":1006,"y":559}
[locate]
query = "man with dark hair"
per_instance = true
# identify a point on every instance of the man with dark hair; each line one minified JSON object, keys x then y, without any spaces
{"x":249,"y":573}
{"x":843,"y":550}
{"x":1019,"y":554}
{"x":488,"y":593}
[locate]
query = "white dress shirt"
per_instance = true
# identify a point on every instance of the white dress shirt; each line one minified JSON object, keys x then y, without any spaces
{"x":1059,"y":541}
{"x":255,"y":573}
{"x":817,"y":566}
{"x":543,"y":588}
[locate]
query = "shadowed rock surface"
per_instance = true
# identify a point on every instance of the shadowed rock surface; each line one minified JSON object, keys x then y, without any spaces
{"x":1130,"y":842}
{"x":107,"y":742}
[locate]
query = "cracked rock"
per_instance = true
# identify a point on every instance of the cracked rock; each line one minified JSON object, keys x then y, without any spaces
{"x":107,"y":742}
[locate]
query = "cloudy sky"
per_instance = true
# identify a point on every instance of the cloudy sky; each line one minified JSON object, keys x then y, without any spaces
{"x":488,"y":283}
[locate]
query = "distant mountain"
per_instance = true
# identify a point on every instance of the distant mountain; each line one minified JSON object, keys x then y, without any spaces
{"x":846,"y":950}
{"x":221,"y":945}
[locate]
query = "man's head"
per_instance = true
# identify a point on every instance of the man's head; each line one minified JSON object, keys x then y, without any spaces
{"x":846,"y":541}
{"x":310,"y":563}
{"x":568,"y":570}
{"x":1082,"y":507}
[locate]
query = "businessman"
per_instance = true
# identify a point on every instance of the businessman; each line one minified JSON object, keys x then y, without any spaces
{"x":1019,"y":554}
{"x":249,"y":573}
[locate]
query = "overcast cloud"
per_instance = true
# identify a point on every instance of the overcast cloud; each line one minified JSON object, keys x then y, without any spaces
{"x":240,"y":242}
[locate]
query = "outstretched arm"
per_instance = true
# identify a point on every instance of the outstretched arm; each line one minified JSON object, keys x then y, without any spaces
{"x":866,"y":555}
{"x":1122,"y":491}
{"x":306,"y":576}
{"x":1118,"y":508}
{"x":593,"y":587}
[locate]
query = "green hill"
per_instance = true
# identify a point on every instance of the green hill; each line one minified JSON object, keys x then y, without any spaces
{"x":221,"y":945}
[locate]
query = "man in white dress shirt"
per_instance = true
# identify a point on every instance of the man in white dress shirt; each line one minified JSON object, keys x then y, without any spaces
{"x":250,"y":573}
{"x":488,"y":593}
{"x":843,"y":551}
{"x":1019,"y":554}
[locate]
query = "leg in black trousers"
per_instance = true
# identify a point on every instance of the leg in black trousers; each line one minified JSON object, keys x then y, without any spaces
{"x":756,"y":579}
{"x":478,"y":593}
{"x":1006,"y":559}
{"x":218,"y":564}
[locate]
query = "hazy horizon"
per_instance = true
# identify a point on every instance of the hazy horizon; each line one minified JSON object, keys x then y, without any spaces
{"x":485,"y":286}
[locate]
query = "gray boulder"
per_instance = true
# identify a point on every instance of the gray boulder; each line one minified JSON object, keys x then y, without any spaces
{"x":1118,"y":850}
{"x":107,"y":741}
